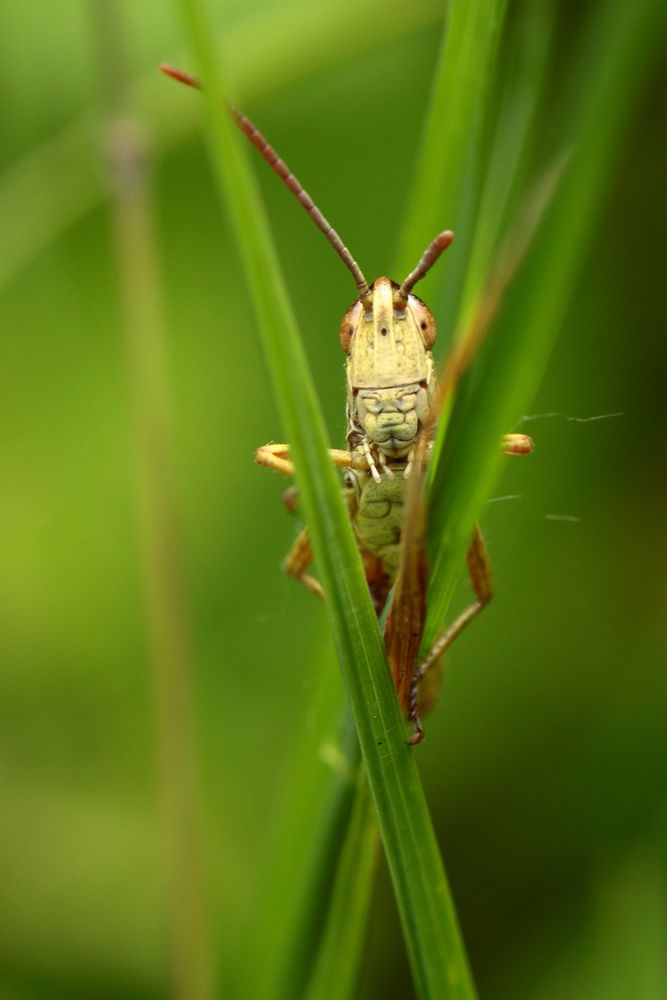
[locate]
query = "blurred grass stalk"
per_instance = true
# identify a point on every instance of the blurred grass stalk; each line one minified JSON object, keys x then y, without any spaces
{"x":303,"y":863}
{"x":337,"y":958}
{"x":36,"y":213}
{"x":128,"y":157}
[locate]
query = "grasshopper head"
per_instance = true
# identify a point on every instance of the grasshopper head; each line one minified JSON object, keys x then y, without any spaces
{"x":388,"y":336}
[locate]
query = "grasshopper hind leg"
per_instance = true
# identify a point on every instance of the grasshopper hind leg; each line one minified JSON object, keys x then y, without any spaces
{"x":479,"y":570}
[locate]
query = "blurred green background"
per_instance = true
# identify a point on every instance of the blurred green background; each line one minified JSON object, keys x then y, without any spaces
{"x":545,"y":759}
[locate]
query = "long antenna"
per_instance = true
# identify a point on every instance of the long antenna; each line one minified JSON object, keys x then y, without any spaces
{"x":429,"y":257}
{"x":280,"y":167}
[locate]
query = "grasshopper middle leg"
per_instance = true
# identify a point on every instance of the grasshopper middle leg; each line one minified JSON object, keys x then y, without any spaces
{"x":297,"y":561}
{"x":479,"y":570}
{"x":300,"y":555}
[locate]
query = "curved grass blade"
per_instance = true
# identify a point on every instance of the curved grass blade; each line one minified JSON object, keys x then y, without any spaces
{"x":434,"y":945}
{"x":521,"y":78}
{"x":444,"y":187}
{"x":616,"y":57}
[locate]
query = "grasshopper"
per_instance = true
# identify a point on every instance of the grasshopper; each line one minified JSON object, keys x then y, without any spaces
{"x":387,"y":335}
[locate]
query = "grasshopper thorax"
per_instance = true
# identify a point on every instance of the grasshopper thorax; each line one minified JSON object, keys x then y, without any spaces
{"x":388,"y":336}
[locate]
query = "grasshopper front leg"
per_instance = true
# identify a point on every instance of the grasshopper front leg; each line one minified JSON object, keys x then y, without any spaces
{"x":277,"y":456}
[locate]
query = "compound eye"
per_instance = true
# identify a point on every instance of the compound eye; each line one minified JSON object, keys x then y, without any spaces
{"x":424,"y":320}
{"x":349,"y":324}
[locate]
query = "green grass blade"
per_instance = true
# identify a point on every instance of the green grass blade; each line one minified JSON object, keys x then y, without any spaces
{"x":433,"y":940}
{"x":443,"y":191}
{"x":522,"y":73}
{"x":617,"y":55}
{"x":337,"y":965}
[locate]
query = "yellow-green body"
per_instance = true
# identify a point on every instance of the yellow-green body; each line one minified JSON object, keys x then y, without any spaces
{"x":378,"y":518}
{"x":390,"y":386}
